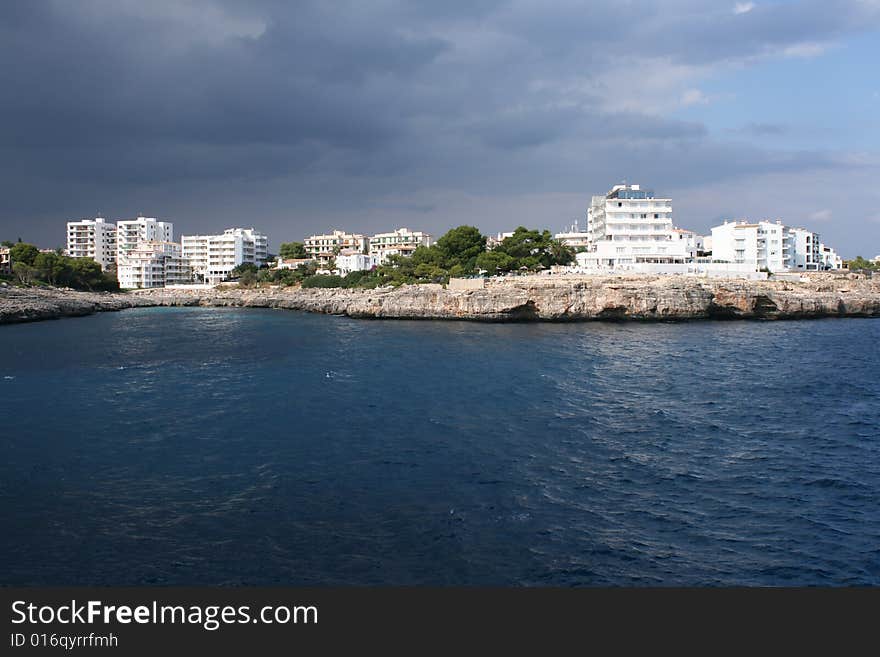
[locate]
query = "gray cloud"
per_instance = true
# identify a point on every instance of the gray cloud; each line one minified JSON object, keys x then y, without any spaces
{"x":294,"y":115}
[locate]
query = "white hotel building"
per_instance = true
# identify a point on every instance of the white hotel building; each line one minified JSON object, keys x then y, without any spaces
{"x":338,"y":239}
{"x":630,"y":226}
{"x":143,"y":248}
{"x":92,"y":238}
{"x":401,"y":241}
{"x":213,"y":257}
{"x":153,"y":264}
{"x":769,"y":245}
{"x":130,"y":233}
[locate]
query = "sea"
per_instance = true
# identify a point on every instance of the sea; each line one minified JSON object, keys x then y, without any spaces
{"x":210,"y":446}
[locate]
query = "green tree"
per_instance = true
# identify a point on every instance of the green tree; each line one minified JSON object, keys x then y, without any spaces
{"x":533,"y":249}
{"x":54,"y":269}
{"x":494,"y":262}
{"x":24,"y":253}
{"x":86,"y":274}
{"x":861,"y":263}
{"x":560,"y":253}
{"x":244,"y":268}
{"x":461,"y":246}
{"x":431,"y":273}
{"x":292,"y":250}
{"x":26,"y":274}
{"x":248,"y":277}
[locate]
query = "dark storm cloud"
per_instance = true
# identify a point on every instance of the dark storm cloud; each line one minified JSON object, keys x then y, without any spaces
{"x":129,"y":100}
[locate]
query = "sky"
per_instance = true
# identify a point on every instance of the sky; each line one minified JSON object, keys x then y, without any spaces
{"x":300,"y":117}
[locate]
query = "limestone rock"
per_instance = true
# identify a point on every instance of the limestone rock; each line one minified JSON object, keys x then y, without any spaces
{"x":533,"y":298}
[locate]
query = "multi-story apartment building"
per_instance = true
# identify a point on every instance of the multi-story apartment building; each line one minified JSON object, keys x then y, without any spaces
{"x":805,"y":250}
{"x":92,"y":238}
{"x":401,"y":241}
{"x":212,"y":257}
{"x":334,"y":242}
{"x":767,"y":245}
{"x":153,"y":264}
{"x":131,"y":233}
{"x":630,"y":225}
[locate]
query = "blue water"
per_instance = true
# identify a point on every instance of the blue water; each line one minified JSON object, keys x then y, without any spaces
{"x":228,"y":446}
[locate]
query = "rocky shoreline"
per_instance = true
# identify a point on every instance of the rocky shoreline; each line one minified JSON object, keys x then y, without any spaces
{"x":563,"y":298}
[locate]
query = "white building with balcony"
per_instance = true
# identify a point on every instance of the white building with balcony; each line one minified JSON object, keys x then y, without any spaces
{"x":213,"y":257}
{"x":764,"y":245}
{"x":767,"y":245}
{"x":630,"y":226}
{"x":131,"y":233}
{"x":350,"y":260}
{"x":401,"y":241}
{"x":92,"y":238}
{"x":805,"y":250}
{"x":153,"y":264}
{"x":330,"y":244}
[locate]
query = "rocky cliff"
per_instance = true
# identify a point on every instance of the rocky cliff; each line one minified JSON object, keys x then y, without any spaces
{"x":32,"y":304}
{"x":520,"y":299}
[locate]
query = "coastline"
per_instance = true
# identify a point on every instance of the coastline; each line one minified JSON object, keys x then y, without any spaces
{"x":562,"y":298}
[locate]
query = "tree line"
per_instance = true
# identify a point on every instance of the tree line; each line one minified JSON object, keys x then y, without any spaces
{"x":30,"y":266}
{"x":861,"y":263}
{"x":460,"y":252}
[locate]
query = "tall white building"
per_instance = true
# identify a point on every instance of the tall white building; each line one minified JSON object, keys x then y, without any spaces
{"x":316,"y":245}
{"x":92,"y":238}
{"x":131,"y":233}
{"x":212,"y":257}
{"x":401,"y":241}
{"x":629,"y":226}
{"x":767,"y":245}
{"x":805,"y":251}
{"x":153,"y":264}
